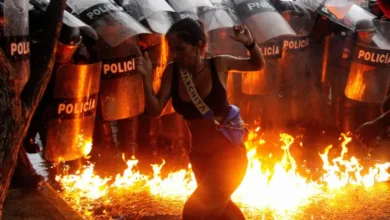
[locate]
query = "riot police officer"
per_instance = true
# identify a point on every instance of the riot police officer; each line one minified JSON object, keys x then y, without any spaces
{"x":357,"y":108}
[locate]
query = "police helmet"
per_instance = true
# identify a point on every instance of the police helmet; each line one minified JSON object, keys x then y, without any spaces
{"x":365,"y":25}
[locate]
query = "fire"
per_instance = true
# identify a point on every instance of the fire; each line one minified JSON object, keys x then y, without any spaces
{"x":179,"y":184}
{"x":86,"y":183}
{"x":277,"y":186}
{"x":280,"y":188}
{"x":349,"y":172}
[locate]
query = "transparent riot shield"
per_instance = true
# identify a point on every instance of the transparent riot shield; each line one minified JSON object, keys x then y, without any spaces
{"x":121,"y":88}
{"x":188,"y":8}
{"x":343,"y":12}
{"x":263,"y":82}
{"x":263,"y":20}
{"x":294,"y":64}
{"x":72,"y":112}
{"x":353,"y":15}
{"x":382,"y":35}
{"x":369,"y":77}
{"x":108,"y":20}
{"x":153,"y":12}
{"x":184,"y":5}
{"x":224,"y":14}
{"x":218,"y":32}
{"x":221,"y":44}
{"x":16,"y":42}
{"x":68,"y":19}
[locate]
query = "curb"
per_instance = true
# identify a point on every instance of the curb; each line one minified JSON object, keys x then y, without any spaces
{"x":59,"y":203}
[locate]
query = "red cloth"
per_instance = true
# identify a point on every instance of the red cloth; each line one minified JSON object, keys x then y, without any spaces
{"x":385,"y":7}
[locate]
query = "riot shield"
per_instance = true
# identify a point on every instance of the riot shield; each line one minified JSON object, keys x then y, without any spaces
{"x":382,"y":35}
{"x":294,"y":64}
{"x":297,"y":16}
{"x":121,"y":88}
{"x":16,"y":42}
{"x":344,"y":12}
{"x":369,"y":77}
{"x":154,"y":12}
{"x":263,"y":82}
{"x":188,"y":8}
{"x":72,"y":113}
{"x":68,"y":19}
{"x":354,"y":14}
{"x":224,"y":14}
{"x":219,"y":41}
{"x":108,"y":20}
{"x":185,"y":5}
{"x":263,"y":20}
{"x":221,"y":44}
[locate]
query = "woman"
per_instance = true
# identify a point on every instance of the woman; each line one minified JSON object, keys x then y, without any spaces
{"x":219,"y":166}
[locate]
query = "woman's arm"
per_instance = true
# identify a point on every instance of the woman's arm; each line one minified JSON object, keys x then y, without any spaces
{"x":254,"y":63}
{"x":155,"y":104}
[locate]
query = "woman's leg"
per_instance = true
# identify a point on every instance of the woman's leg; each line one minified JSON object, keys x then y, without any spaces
{"x":222,"y":176}
{"x":232,"y":212}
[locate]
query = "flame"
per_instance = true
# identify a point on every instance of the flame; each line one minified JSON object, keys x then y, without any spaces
{"x":86,"y":183}
{"x":277,"y":186}
{"x":341,"y":173}
{"x":280,"y":187}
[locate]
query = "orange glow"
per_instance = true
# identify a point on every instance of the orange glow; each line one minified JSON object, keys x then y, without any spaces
{"x":159,"y":70}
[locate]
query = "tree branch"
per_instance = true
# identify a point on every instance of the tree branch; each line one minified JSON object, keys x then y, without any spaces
{"x":15,"y":112}
{"x":43,"y":58}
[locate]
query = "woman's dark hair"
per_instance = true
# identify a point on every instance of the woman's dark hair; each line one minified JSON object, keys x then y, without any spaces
{"x":190,"y":31}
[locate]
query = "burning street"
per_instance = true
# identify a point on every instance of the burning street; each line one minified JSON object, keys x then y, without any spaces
{"x":195,"y":109}
{"x":275,"y":187}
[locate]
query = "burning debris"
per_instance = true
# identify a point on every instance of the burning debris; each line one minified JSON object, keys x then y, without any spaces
{"x":274,"y":187}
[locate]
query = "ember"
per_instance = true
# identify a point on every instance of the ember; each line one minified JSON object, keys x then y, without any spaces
{"x":278,"y":190}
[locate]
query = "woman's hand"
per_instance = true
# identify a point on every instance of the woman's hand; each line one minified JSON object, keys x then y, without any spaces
{"x":242,"y":34}
{"x":143,"y":64}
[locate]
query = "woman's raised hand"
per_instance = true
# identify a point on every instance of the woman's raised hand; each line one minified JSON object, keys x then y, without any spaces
{"x":242,"y":34}
{"x":143,"y":63}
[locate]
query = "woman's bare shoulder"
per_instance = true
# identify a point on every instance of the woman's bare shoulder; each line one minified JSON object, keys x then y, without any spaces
{"x":168,"y":71}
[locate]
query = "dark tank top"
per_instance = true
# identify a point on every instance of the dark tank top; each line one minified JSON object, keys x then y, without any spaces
{"x":216,"y":100}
